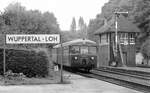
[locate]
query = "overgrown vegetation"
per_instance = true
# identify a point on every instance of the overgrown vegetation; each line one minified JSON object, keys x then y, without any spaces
{"x":17,"y":20}
{"x":29,"y":63}
{"x":78,"y":29}
{"x":139,"y":14}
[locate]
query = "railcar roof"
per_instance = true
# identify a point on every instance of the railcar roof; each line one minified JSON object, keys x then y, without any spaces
{"x":75,"y":42}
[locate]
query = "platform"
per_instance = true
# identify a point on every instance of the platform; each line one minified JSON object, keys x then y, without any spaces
{"x":78,"y":84}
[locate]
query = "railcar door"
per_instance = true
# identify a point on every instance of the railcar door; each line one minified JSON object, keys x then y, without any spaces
{"x":84,"y":55}
{"x":74,"y":55}
{"x":93,"y":55}
{"x":66,"y":56}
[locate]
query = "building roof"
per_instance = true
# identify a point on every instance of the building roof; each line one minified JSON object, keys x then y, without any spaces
{"x":76,"y":42}
{"x":124,"y":25}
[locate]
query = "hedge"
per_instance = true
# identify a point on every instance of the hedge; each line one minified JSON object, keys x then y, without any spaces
{"x":29,"y":63}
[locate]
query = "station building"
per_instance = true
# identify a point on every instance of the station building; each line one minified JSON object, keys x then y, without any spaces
{"x":127,"y":36}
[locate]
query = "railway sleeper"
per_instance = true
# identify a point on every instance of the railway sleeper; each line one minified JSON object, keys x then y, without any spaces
{"x":129,"y":78}
{"x":132,"y":72}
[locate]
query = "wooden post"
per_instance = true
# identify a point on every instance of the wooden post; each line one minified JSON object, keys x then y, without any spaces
{"x":4,"y":59}
{"x":116,"y":35}
{"x":61,"y":67}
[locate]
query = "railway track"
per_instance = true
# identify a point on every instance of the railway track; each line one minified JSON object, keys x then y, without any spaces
{"x":127,"y":71}
{"x":138,"y":77}
{"x":121,"y":79}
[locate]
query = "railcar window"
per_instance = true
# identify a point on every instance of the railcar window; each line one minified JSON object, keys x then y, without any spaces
{"x":84,"y":50}
{"x":75,"y":49}
{"x":92,"y":50}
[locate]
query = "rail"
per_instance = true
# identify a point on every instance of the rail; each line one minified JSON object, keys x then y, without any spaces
{"x":135,"y":82}
{"x":118,"y":81}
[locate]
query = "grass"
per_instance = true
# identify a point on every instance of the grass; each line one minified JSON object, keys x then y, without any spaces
{"x":54,"y":79}
{"x":31,"y":81}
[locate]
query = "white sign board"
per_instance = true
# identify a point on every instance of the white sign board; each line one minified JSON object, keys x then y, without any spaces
{"x":32,"y":38}
{"x":56,"y":68}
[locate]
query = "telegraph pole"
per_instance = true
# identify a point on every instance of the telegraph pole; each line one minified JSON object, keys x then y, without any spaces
{"x":61,"y":65}
{"x":116,"y":34}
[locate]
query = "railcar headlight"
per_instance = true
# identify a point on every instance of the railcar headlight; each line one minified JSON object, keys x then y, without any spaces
{"x":75,"y":58}
{"x":92,"y":58}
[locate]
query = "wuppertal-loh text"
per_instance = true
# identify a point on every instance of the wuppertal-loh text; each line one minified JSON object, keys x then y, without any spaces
{"x":34,"y":38}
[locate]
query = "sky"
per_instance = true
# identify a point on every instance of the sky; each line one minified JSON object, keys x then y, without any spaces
{"x":64,"y":10}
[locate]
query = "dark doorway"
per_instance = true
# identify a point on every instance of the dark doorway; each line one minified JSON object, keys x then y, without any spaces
{"x":125,"y":58}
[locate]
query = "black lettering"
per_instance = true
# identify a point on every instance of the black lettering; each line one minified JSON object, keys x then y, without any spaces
{"x":32,"y":38}
{"x":55,"y":38}
{"x":10,"y":38}
{"x":50,"y":38}
{"x":23,"y":38}
{"x":39,"y":39}
{"x":45,"y":39}
{"x":36,"y":39}
{"x":17,"y":38}
{"x":29,"y":38}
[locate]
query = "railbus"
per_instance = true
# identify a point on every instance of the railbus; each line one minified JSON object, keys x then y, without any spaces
{"x":77,"y":54}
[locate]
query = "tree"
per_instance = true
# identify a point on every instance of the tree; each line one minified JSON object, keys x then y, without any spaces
{"x":73,"y":25}
{"x":145,"y":49}
{"x":139,"y":11}
{"x":17,"y":20}
{"x":81,"y":23}
{"x":93,"y":26}
{"x":142,"y":18}
{"x":82,"y":28}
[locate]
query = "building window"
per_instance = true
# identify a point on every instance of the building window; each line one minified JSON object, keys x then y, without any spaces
{"x":131,"y":38}
{"x":99,"y":38}
{"x":104,"y":39}
{"x":107,"y":37}
{"x":124,"y":38}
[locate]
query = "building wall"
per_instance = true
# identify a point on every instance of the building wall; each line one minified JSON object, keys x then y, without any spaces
{"x":129,"y":52}
{"x":106,"y":53}
{"x":103,"y":51}
{"x":131,"y":56}
{"x":103,"y":55}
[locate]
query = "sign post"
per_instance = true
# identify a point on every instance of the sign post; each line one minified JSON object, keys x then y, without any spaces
{"x":61,"y":67}
{"x":4,"y":59}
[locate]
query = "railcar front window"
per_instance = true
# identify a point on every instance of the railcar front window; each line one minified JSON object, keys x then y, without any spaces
{"x":84,"y":50}
{"x":92,"y":50}
{"x":75,"y":50}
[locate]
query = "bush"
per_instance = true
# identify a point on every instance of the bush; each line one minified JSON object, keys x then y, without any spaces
{"x":29,"y":63}
{"x":14,"y":76}
{"x":145,"y":49}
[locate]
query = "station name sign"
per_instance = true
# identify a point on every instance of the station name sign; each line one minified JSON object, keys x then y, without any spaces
{"x":32,"y":38}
